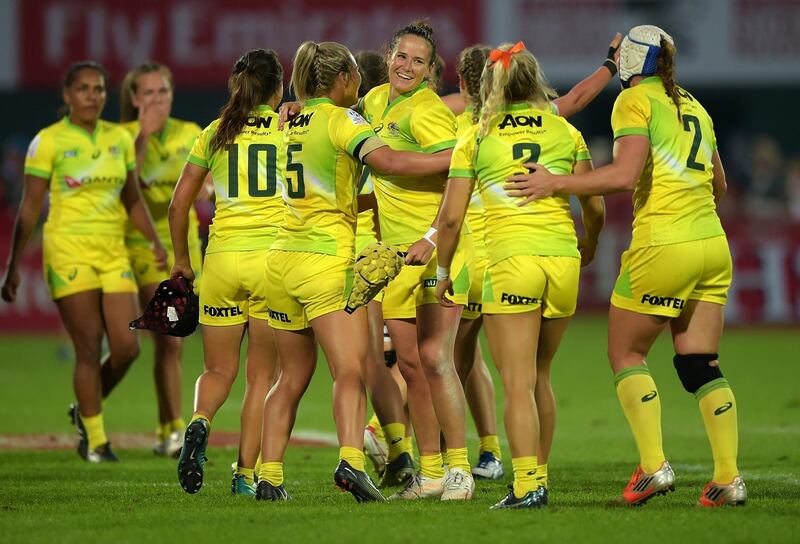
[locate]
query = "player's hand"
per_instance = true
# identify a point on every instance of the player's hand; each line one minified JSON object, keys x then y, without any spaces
{"x":420,"y":252}
{"x":160,"y":255}
{"x":587,"y":248}
{"x":10,"y":284}
{"x":443,"y":288}
{"x":152,"y":116}
{"x":613,"y":48}
{"x":183,"y":269}
{"x":535,"y":185}
{"x":287,"y":112}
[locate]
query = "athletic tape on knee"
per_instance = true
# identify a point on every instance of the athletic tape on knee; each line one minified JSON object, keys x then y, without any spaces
{"x":695,"y":371}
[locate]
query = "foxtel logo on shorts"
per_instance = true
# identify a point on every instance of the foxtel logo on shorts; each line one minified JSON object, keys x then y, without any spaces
{"x":279,"y":316}
{"x":221,"y":311}
{"x":518,"y":299}
{"x":474,"y":306}
{"x":667,"y":302}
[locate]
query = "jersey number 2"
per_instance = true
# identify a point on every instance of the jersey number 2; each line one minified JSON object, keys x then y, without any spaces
{"x":533,"y":150}
{"x":691,"y":162}
{"x":253,"y":186}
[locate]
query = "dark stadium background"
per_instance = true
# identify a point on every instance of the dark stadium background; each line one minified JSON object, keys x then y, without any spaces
{"x":738,"y":57}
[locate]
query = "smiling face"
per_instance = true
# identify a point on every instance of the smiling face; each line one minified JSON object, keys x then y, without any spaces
{"x":86,"y":97}
{"x":152,"y":88}
{"x":410,"y":64}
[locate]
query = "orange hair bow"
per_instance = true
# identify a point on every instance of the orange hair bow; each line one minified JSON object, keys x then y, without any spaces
{"x":505,"y":56}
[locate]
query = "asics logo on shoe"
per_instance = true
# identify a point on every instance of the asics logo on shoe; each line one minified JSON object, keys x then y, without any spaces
{"x":724,"y":408}
{"x":650,"y":396}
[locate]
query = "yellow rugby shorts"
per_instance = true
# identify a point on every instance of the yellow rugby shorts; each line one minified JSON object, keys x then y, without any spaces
{"x":234,"y":287}
{"x":658,"y":280}
{"x":144,"y":264}
{"x":416,"y":285}
{"x":74,"y":263}
{"x":302,"y":286}
{"x":474,"y":305}
{"x":523,"y":283}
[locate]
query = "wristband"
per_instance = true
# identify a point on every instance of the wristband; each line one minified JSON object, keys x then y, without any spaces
{"x":611,"y":66}
{"x":431,"y":232}
{"x":442,"y":273}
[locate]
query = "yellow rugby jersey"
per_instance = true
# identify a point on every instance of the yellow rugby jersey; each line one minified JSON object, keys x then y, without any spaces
{"x":164,"y":160}
{"x":415,"y":121}
{"x":476,"y":218}
{"x":519,"y":134}
{"x":87,"y":172}
{"x":324,"y":144}
{"x":246,"y":174}
{"x":365,"y":222}
{"x":673,"y":201}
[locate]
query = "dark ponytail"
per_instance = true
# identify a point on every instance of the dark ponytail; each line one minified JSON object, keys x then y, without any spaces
{"x":256,"y":76}
{"x":373,"y":69}
{"x":665,"y":69}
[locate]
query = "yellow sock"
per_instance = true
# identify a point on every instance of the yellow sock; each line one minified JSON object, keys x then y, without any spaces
{"x":258,"y":463}
{"x":163,"y":431}
{"x":200,"y":415}
{"x":408,"y":445}
{"x":248,"y":473}
{"x":375,"y":423}
{"x":354,"y":456}
{"x":718,"y":408}
{"x":457,"y":458}
{"x":394,"y":433}
{"x":639,"y":399}
{"x":271,"y":472}
{"x":95,"y":431}
{"x":541,"y":475}
{"x":430,"y":466}
{"x":177,"y":424}
{"x":525,"y":475}
{"x":490,"y":443}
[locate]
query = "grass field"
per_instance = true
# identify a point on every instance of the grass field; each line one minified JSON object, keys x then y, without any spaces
{"x":50,"y":495}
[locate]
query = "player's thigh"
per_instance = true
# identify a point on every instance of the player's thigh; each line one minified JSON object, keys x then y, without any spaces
{"x":298,"y":352}
{"x":223,"y":299}
{"x":657,"y":280}
{"x":82,"y":316}
{"x":699,"y":328}
{"x":221,"y":348}
{"x":513,"y":342}
{"x":631,"y":335}
{"x":119,"y":309}
{"x":262,"y":353}
{"x":344,"y":338}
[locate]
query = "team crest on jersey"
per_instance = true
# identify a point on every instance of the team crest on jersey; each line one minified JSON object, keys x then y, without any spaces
{"x":114,"y":150}
{"x":72,"y":183}
{"x":70,"y":153}
{"x":394,"y":129}
{"x":356,"y":118}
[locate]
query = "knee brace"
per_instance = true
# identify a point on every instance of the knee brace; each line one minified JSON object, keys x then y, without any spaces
{"x":694,"y":370}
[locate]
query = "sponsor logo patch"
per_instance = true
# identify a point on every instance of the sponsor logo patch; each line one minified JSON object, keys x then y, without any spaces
{"x":222,"y":311}
{"x":516,"y":300}
{"x":279,"y":316}
{"x":666,"y":302}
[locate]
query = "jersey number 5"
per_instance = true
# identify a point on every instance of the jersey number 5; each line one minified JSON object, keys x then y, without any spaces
{"x":296,"y":168}
{"x":691,"y":162}
{"x":254,"y":188}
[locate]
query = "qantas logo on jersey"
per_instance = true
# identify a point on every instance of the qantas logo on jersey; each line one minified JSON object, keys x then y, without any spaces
{"x":302,"y":120}
{"x":666,"y":302}
{"x":518,"y":299}
{"x":73,"y":183}
{"x":258,"y":122}
{"x":515,"y":121}
{"x":222,"y":311}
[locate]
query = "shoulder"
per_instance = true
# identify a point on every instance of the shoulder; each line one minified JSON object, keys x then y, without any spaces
{"x":186,"y":126}
{"x":114,"y":130}
{"x":376,"y":96}
{"x":131,"y":126}
{"x":50,"y":131}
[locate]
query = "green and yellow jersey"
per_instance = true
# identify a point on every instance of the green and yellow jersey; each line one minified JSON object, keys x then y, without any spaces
{"x":324,"y":145}
{"x":416,"y":121}
{"x":518,"y":134}
{"x":164,"y":159}
{"x":673,"y":201}
{"x":246,"y":175}
{"x":87,"y":172}
{"x":365,"y":222}
{"x":476,"y":218}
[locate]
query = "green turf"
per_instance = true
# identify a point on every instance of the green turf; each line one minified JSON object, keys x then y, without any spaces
{"x":52,"y":495}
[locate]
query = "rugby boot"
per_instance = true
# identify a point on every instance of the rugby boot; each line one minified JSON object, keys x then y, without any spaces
{"x":356,"y":482}
{"x":193,"y":456}
{"x":733,"y":494}
{"x":642,"y":487}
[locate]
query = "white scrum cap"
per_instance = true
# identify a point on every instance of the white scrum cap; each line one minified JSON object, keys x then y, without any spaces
{"x":639,"y":51}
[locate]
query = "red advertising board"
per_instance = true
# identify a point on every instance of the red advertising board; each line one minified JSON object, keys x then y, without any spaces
{"x":200,"y":39}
